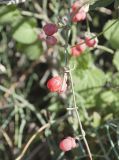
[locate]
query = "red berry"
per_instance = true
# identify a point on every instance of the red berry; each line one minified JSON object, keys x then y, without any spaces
{"x":50,"y":29}
{"x":78,"y":49}
{"x":90,"y":41}
{"x":81,"y":46}
{"x":54,"y":84}
{"x":78,"y":5}
{"x":79,"y":16}
{"x":51,"y":40}
{"x":79,"y":11}
{"x":67,"y":144}
{"x":75,"y":6}
{"x":75,"y":51}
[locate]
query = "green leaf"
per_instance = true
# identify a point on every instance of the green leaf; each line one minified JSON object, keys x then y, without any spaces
{"x":24,"y":33}
{"x":96,"y":120}
{"x":108,"y":117}
{"x":9,"y":14}
{"x":85,"y":60}
{"x":33,"y":51}
{"x":116,"y":60}
{"x":112,"y":32}
{"x":90,"y":78}
{"x":108,"y":97}
{"x":115,"y":80}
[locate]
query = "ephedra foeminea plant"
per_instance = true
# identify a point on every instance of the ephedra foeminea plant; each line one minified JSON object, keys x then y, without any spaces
{"x":58,"y":84}
{"x":78,"y":13}
{"x":62,"y":84}
{"x":75,"y":79}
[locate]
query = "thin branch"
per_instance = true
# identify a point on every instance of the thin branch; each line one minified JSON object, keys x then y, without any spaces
{"x":36,"y":15}
{"x":105,"y":49}
{"x":31,"y":140}
{"x":78,"y":117}
{"x":7,"y":138}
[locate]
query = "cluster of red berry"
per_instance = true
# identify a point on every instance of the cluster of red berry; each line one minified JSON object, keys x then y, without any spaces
{"x":78,"y":11}
{"x":49,"y":29}
{"x":90,"y":41}
{"x":56,"y":83}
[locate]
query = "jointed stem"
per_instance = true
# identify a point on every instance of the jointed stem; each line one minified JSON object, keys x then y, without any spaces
{"x":78,"y":117}
{"x":72,"y":86}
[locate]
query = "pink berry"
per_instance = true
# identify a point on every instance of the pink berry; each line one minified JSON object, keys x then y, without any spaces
{"x":54,"y":84}
{"x":51,"y":40}
{"x":79,"y":16}
{"x":81,"y":46}
{"x":50,"y":29}
{"x":75,"y":6}
{"x":79,"y":11}
{"x":75,"y":51}
{"x":67,"y":144}
{"x":78,"y":49}
{"x":91,"y":41}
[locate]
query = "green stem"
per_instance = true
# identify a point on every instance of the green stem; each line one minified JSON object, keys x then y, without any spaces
{"x":16,"y":124}
{"x":7,"y":121}
{"x":105,"y":49}
{"x":24,"y":102}
{"x":67,"y":35}
{"x":22,"y":126}
{"x":88,"y":26}
{"x":111,"y":142}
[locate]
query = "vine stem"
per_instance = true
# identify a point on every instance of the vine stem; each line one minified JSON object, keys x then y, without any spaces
{"x":78,"y":117}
